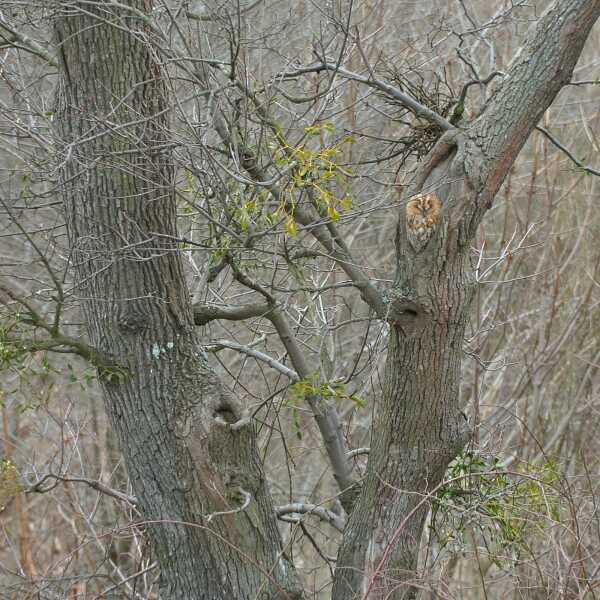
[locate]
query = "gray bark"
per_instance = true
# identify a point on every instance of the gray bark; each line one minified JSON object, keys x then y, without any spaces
{"x":190,"y":453}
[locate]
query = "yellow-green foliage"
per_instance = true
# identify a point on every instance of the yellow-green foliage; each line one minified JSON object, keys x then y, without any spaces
{"x":328,"y":389}
{"x":315,"y":170}
{"x":506,"y":507}
{"x":11,"y":352}
{"x":9,"y":482}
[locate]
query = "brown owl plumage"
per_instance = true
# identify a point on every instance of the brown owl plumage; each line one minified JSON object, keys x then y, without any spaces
{"x":421,"y":218}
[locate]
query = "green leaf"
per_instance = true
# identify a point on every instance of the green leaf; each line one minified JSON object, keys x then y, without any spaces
{"x":290,"y":226}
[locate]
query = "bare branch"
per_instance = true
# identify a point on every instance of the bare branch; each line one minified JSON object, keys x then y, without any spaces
{"x":359,"y":452}
{"x":338,"y":251}
{"x":204,"y":313}
{"x":585,"y":82}
{"x":325,"y":414}
{"x":38,"y":487}
{"x":299,"y":508}
{"x":20,"y":40}
{"x":269,"y":360}
{"x":416,"y":107}
{"x":222,"y":513}
{"x":565,"y":150}
{"x":57,"y":342}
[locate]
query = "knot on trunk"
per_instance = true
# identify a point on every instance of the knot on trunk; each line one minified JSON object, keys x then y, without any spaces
{"x":132,"y":320}
{"x":404,"y":313}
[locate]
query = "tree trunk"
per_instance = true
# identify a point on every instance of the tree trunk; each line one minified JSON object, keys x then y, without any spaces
{"x":420,"y":428}
{"x":189,"y":451}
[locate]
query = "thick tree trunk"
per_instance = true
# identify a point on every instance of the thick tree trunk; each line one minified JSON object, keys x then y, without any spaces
{"x":186,"y":460}
{"x":420,"y":428}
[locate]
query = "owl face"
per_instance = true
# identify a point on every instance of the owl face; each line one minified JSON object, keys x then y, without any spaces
{"x":421,"y":218}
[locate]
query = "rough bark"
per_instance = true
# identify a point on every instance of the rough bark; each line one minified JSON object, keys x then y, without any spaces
{"x":420,"y":428}
{"x":189,"y":451}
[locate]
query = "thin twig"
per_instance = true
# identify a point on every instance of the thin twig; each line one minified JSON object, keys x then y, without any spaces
{"x":38,"y":487}
{"x":566,"y":151}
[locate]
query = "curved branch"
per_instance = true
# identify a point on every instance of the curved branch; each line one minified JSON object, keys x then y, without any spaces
{"x":204,"y":313}
{"x":324,"y":514}
{"x":269,"y":360}
{"x":38,"y":487}
{"x":358,"y":452}
{"x":416,"y":107}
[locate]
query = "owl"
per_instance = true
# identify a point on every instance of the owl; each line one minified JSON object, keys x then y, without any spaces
{"x":422,"y":213}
